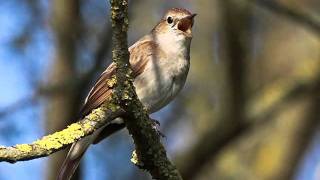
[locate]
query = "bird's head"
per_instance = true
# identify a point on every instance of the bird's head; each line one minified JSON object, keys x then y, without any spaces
{"x":177,"y":22}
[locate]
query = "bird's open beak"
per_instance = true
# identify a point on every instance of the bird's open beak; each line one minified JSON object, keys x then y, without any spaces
{"x":185,"y":24}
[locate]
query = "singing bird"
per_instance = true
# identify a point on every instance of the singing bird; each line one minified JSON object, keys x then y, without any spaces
{"x":160,"y":62}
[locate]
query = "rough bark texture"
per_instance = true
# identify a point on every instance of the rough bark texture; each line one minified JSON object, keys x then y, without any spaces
{"x":150,"y":153}
{"x":59,"y":140}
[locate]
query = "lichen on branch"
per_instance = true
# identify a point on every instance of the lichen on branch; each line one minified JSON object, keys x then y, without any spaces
{"x":61,"y":139}
{"x":150,"y":154}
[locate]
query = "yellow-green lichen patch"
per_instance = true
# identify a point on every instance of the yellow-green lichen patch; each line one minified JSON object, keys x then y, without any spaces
{"x":64,"y":137}
{"x":126,"y":95}
{"x":113,"y":107}
{"x":135,"y":159}
{"x":111,"y":82}
{"x":93,"y":115}
{"x":24,"y":147}
{"x":86,"y":126}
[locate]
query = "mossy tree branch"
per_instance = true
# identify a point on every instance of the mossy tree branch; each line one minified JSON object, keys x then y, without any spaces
{"x":59,"y":140}
{"x":150,"y":154}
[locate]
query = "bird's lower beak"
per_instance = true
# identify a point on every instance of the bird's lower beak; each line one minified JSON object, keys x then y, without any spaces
{"x":185,"y":24}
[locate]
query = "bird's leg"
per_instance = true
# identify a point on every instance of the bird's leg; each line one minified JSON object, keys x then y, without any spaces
{"x":155,"y":126}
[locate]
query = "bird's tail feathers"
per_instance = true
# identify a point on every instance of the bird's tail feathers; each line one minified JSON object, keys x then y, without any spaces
{"x":74,"y":156}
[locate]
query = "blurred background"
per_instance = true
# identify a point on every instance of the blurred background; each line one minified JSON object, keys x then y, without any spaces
{"x":249,"y":111}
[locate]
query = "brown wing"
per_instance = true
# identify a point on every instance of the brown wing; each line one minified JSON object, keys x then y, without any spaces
{"x":99,"y":93}
{"x":139,"y":55}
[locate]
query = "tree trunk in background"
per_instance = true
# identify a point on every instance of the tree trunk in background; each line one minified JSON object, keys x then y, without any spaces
{"x":285,"y":118}
{"x":226,"y":119}
{"x":63,"y":102}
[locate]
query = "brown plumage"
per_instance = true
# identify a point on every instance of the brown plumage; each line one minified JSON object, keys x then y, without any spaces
{"x":160,"y":64}
{"x":101,"y":91}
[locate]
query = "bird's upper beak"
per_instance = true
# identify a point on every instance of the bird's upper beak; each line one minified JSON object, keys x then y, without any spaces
{"x":185,"y":24}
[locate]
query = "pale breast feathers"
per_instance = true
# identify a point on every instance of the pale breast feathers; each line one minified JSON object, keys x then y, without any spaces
{"x":140,"y":53}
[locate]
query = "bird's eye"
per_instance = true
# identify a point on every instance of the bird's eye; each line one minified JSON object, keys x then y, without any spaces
{"x":169,"y":19}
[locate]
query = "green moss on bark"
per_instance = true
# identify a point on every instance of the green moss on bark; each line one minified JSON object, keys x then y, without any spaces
{"x":59,"y":140}
{"x":150,"y":154}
